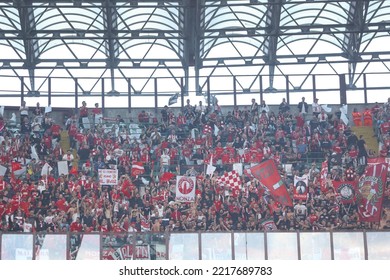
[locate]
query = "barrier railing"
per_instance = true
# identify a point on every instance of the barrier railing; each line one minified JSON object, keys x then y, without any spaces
{"x":329,"y":245}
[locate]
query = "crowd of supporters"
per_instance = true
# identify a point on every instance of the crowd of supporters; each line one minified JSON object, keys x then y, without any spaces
{"x":182,"y":142}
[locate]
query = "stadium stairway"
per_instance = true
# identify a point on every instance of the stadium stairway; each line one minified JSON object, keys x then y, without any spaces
{"x":368,"y":136}
{"x":65,"y":145}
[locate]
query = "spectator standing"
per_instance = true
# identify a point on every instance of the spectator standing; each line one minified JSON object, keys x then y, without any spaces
{"x":303,"y":107}
{"x":97,"y":115}
{"x":23,"y":110}
{"x":316,"y":108}
{"x":284,"y":107}
{"x":83,"y":119}
{"x":357,"y":117}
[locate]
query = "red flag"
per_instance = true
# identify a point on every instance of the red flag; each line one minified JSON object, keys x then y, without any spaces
{"x":16,"y":166}
{"x":346,"y":190}
{"x":267,"y":173}
{"x":73,"y":170}
{"x":269,"y":225}
{"x":137,"y":168}
{"x":370,"y":191}
{"x":165,"y":177}
{"x":231,"y":179}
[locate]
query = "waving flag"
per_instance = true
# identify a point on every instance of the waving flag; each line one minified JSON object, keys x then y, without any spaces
{"x":165,"y":177}
{"x":137,"y":168}
{"x":230,"y":179}
{"x":370,"y":191}
{"x":173,"y":99}
{"x":268,"y":175}
{"x":269,"y":225}
{"x":345,"y":190}
{"x":145,"y":223}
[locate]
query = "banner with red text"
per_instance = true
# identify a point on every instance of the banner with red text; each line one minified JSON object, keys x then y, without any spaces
{"x":301,"y":187}
{"x":108,"y":176}
{"x":185,"y":188}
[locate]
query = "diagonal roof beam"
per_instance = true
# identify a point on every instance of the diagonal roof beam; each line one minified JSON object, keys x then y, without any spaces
{"x":112,"y":45}
{"x":29,"y":37}
{"x":271,"y":41}
{"x":352,"y":39}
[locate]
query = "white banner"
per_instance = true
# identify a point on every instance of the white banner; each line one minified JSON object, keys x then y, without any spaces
{"x":98,"y":118}
{"x":185,"y":188}
{"x":86,"y":123}
{"x":301,"y":187}
{"x":238,"y":167}
{"x":63,"y":168}
{"x":34,"y":153}
{"x":108,"y":176}
{"x":3,"y":169}
{"x":48,"y":109}
{"x":46,"y":169}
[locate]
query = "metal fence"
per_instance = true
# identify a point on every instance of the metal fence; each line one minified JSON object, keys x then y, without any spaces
{"x":333,"y":245}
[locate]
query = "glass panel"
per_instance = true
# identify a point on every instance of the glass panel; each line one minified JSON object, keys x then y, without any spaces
{"x":117,"y":247}
{"x":16,"y":247}
{"x":282,"y":246}
{"x":328,"y":97}
{"x":216,"y":246}
{"x":355,"y":96}
{"x":84,"y":247}
{"x":150,"y":247}
{"x":249,"y":246}
{"x":50,"y":247}
{"x":378,"y":245}
{"x":379,"y":96}
{"x":184,"y":246}
{"x":348,"y":246}
{"x":315,"y":246}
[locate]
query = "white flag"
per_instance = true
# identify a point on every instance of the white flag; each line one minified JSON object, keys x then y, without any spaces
{"x":34,"y":153}
{"x":216,"y":130}
{"x":3,"y":169}
{"x":48,"y":109}
{"x":63,"y":168}
{"x":344,"y":112}
{"x":210,"y":168}
{"x":326,"y":108}
{"x":238,"y":168}
{"x":46,"y":169}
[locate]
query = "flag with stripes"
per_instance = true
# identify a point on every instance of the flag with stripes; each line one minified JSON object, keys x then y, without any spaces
{"x":137,"y":168}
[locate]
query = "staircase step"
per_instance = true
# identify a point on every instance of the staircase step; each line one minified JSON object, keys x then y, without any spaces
{"x":368,"y":136}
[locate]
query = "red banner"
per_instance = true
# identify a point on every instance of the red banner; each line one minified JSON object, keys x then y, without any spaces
{"x":137,"y":168}
{"x":267,"y":173}
{"x":370,"y":192}
{"x":345,"y":190}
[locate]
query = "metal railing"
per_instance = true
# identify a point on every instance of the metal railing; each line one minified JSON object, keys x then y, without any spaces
{"x":327,"y":245}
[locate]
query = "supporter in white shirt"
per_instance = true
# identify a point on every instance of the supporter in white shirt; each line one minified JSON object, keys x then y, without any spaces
{"x":316,"y":107}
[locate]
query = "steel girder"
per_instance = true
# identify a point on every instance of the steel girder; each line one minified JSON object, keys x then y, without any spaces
{"x":167,"y":38}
